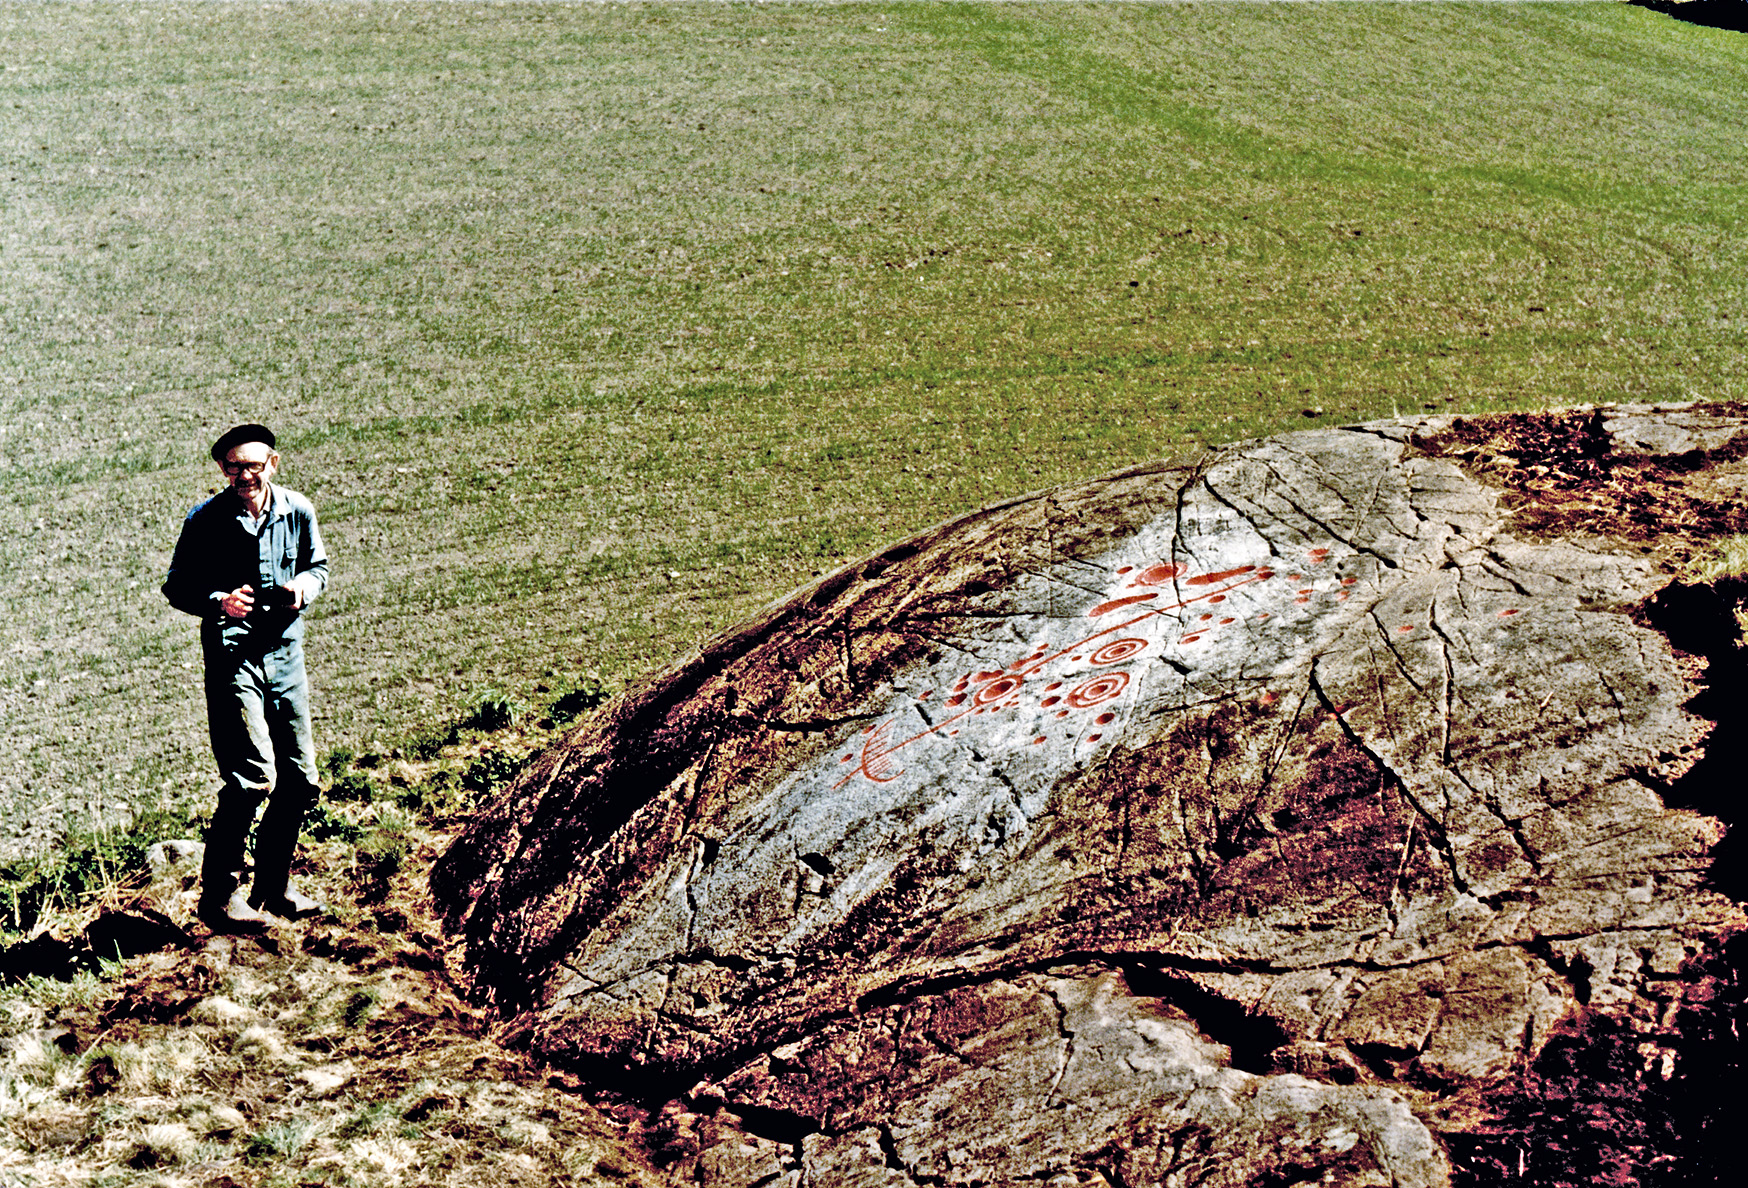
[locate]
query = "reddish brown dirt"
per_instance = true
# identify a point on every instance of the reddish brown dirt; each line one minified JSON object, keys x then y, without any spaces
{"x":1558,"y":477}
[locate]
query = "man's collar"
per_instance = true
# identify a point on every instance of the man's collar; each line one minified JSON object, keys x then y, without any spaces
{"x":274,"y":507}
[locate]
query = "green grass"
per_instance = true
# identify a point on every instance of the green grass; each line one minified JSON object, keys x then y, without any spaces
{"x":592,"y":329}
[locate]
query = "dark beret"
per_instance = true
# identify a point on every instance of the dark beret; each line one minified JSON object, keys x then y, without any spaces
{"x":236,"y":437}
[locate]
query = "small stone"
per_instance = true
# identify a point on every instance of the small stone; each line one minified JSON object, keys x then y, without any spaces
{"x":173,"y":854}
{"x":219,"y":1011}
{"x":326,"y":1080}
{"x":260,"y":1042}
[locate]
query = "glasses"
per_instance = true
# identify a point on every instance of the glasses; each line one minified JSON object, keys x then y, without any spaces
{"x":238,"y":469}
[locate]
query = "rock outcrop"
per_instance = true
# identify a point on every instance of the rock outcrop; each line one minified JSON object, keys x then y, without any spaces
{"x":1336,"y":808}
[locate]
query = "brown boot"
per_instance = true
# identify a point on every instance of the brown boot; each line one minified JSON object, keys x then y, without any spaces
{"x":289,"y":904}
{"x":233,"y":915}
{"x":275,"y":843}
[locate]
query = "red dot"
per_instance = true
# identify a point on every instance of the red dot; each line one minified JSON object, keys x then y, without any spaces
{"x":1301,"y":601}
{"x":925,"y":696}
{"x":1268,"y":698}
{"x":956,"y":699}
{"x":1295,"y":577}
{"x":1509,"y":612}
{"x":1105,"y":719}
{"x":1348,"y":581}
{"x":1072,"y":659}
{"x":1205,"y":618}
{"x":1037,"y":740}
{"x":1264,"y":574}
{"x":846,"y":759}
{"x":1262,"y":614}
{"x":1049,"y":701}
{"x":1406,"y":627}
{"x":1061,"y":713}
{"x":1308,"y":590}
{"x":1094,"y":737}
{"x":1052,"y":685}
{"x":1218,"y":598}
{"x":1223,"y":622}
{"x":1189,"y":639}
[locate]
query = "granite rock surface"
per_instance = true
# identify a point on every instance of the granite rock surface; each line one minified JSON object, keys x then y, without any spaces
{"x":1314,"y":811}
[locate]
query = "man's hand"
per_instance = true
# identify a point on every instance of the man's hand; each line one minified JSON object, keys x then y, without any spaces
{"x":239,"y":602}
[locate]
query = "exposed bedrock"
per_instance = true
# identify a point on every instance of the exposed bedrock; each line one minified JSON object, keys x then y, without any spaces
{"x":1290,"y":815}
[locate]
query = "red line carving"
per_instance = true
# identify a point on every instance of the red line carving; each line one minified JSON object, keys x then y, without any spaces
{"x":1225,"y":575}
{"x":1105,"y":608}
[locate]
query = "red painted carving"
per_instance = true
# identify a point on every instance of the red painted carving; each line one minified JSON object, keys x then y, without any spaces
{"x":1098,"y":690}
{"x":996,"y":690}
{"x":1225,"y":575}
{"x":1158,"y":574}
{"x":877,"y":762}
{"x":992,"y":691}
{"x":1118,"y":650}
{"x":1105,"y":608}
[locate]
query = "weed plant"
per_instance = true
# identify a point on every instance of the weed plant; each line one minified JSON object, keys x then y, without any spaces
{"x":591,"y":329}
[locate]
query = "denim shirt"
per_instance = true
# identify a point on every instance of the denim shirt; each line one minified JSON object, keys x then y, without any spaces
{"x":221,"y":550}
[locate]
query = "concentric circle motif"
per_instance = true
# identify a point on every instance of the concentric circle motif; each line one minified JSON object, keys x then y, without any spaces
{"x":1117,"y":649}
{"x":1098,"y":689}
{"x":996,"y":690}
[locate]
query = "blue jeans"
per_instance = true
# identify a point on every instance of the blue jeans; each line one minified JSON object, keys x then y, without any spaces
{"x":258,"y":716}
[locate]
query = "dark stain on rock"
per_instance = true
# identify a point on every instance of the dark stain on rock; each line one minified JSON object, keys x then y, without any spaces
{"x":1561,"y":473}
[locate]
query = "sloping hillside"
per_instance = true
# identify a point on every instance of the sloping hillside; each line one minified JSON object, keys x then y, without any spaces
{"x":591,"y":329}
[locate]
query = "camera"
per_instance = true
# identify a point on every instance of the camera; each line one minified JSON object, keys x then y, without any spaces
{"x":276,"y":598}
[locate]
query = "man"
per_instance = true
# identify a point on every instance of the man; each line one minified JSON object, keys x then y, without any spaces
{"x":249,"y":560}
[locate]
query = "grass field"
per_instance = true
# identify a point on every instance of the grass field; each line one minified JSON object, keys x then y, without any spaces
{"x":591,"y":329}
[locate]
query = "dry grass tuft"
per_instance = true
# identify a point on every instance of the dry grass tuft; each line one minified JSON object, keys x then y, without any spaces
{"x":1727,"y":558}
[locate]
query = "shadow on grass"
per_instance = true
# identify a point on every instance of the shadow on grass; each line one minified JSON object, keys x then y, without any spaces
{"x":1715,"y":14}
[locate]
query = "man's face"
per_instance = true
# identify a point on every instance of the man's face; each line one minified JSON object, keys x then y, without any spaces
{"x":249,"y":467}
